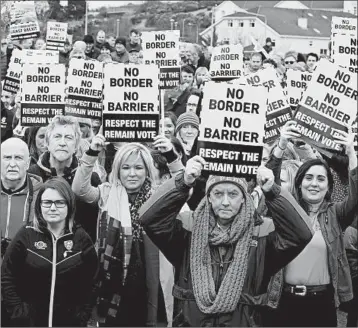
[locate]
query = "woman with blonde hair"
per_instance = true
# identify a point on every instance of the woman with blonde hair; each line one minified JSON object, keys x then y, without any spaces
{"x":49,"y":269}
{"x":129,"y":261}
{"x":201,"y":76}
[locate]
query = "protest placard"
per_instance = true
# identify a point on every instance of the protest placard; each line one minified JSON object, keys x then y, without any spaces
{"x":56,"y":35}
{"x":84,"y":89}
{"x":169,"y":77}
{"x":296,"y":84}
{"x":328,"y":106}
{"x":13,"y":74}
{"x":227,"y":61}
{"x":232,"y":128}
{"x":278,"y":108}
{"x":42,"y":93}
{"x":344,"y":51}
{"x":161,"y":48}
{"x":344,"y":25}
{"x":131,"y":102}
{"x":31,"y":56}
{"x":23,"y":23}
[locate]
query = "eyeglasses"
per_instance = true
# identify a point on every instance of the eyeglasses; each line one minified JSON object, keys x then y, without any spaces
{"x":289,"y":62}
{"x":58,"y":203}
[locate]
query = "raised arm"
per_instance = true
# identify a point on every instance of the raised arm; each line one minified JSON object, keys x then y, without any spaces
{"x":292,"y":232}
{"x":81,"y":185}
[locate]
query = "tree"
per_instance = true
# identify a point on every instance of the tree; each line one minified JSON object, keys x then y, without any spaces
{"x":76,"y":9}
{"x":103,"y":12}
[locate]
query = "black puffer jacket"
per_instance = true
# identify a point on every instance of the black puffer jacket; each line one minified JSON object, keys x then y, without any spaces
{"x":43,"y":277}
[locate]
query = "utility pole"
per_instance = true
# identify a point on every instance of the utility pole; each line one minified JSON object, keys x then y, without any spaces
{"x":118,"y":20}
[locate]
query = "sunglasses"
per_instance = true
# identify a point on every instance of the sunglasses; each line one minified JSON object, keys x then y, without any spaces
{"x":289,"y":62}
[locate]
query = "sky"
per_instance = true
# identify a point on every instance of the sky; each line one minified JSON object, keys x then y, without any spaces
{"x":99,"y":4}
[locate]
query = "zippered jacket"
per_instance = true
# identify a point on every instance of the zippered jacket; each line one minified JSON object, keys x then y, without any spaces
{"x":274,"y":244}
{"x":47,"y":281}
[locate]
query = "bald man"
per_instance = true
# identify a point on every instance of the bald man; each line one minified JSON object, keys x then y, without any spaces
{"x":100,"y":39}
{"x":18,"y":189}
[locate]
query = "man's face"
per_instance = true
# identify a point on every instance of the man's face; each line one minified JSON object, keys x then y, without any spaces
{"x":105,"y":51}
{"x":255,"y":63}
{"x":192,"y":103}
{"x":120,"y":47}
{"x":187,"y":77}
{"x":111,"y":40}
{"x":226,"y":200}
{"x":14,"y":162}
{"x":133,"y":57}
{"x":3,"y":45}
{"x":62,"y":142}
{"x":26,"y":44}
{"x":8,"y":99}
{"x":311,"y":61}
{"x":101,"y":36}
{"x":89,"y":47}
{"x":67,"y":48}
{"x":134,"y":38}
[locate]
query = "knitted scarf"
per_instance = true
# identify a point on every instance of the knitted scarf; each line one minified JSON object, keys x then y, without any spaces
{"x":205,"y":235}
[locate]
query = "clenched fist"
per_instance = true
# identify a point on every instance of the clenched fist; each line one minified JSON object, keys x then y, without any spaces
{"x":193,"y":169}
{"x":265,"y":178}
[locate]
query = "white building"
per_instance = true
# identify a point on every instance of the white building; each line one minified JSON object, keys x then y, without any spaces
{"x":303,"y":30}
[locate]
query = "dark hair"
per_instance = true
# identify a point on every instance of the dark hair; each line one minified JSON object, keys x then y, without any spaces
{"x":312,"y":54}
{"x":256,"y":54}
{"x":64,"y":189}
{"x":270,"y":61}
{"x":88,"y":39}
{"x":31,"y":141}
{"x":106,"y":46}
{"x":187,"y":69}
{"x":160,"y":162}
{"x":133,"y":30}
{"x":301,"y":58}
{"x":199,"y":94}
{"x":172,"y":117}
{"x":121,"y":40}
{"x":300,"y":175}
{"x":179,"y":149}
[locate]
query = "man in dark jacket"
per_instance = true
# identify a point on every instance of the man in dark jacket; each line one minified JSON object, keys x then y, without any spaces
{"x":133,"y":43}
{"x":62,"y":138}
{"x":224,"y":254}
{"x":120,"y":55}
{"x":91,"y":51}
{"x":7,"y":118}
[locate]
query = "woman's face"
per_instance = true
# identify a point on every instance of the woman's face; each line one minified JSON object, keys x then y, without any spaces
{"x":285,"y":181}
{"x":169,"y":128}
{"x":290,"y":61}
{"x":39,"y":44}
{"x":132,"y":173}
{"x":54,"y":207}
{"x":188,"y":132}
{"x":40,"y":140}
{"x":314,"y":186}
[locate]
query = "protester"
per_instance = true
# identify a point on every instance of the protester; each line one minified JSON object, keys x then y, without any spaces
{"x":111,"y":39}
{"x":90,"y":51}
{"x":78,"y":50}
{"x":206,"y":273}
{"x":255,"y":63}
{"x":311,"y":61}
{"x":7,"y":118}
{"x":56,"y":295}
{"x":105,"y":48}
{"x":201,"y":76}
{"x":187,"y":130}
{"x":133,"y":44}
{"x":120,"y":54}
{"x":8,"y":100}
{"x":268,"y":47}
{"x":290,"y":59}
{"x":26,"y":43}
{"x":35,"y":139}
{"x":100,"y":39}
{"x":193,"y":101}
{"x":64,"y":54}
{"x":40,"y":44}
{"x":169,"y":124}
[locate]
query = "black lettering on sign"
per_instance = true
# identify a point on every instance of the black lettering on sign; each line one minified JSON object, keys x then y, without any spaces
{"x":131,"y":96}
{"x":160,"y":54}
{"x":225,"y":50}
{"x":225,"y":66}
{"x":86,"y":84}
{"x":229,"y":122}
{"x":159,"y":37}
{"x":342,"y":76}
{"x":89,"y":66}
{"x":253,"y":79}
{"x":43,"y":70}
{"x":43,"y":89}
{"x":131,"y":71}
{"x":332,"y":100}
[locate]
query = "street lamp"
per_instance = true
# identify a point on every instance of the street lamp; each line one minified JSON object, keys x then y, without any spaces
{"x":184,"y":27}
{"x":175,"y":25}
{"x":171,"y":23}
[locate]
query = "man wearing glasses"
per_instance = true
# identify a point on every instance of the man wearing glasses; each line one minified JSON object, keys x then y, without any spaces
{"x":290,"y":59}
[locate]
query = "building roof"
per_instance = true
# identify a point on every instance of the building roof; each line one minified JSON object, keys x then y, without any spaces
{"x":310,"y":4}
{"x":318,"y":21}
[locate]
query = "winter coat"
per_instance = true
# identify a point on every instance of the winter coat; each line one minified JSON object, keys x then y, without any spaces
{"x":120,"y":58}
{"x":43,"y":277}
{"x":85,"y":215}
{"x":7,"y":118}
{"x":17,"y":209}
{"x":334,"y":218}
{"x":271,"y":249}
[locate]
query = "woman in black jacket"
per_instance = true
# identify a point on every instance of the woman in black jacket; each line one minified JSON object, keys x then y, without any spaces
{"x":49,"y":268}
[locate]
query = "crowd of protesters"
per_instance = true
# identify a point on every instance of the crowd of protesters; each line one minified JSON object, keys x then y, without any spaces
{"x":134,"y":234}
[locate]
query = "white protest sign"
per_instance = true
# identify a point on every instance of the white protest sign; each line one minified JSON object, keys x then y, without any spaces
{"x":344,"y":51}
{"x":24,"y":23}
{"x":131,"y":102}
{"x":227,"y":61}
{"x":232,"y":128}
{"x":328,"y":105}
{"x":296,"y":84}
{"x":42,"y":93}
{"x":84,"y":88}
{"x":343,"y":25}
{"x":13,"y":74}
{"x":161,"y":48}
{"x":56,"y":35}
{"x":31,"y":56}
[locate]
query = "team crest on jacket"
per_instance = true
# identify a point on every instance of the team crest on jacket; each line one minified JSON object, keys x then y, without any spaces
{"x":68,"y":244}
{"x":40,"y":245}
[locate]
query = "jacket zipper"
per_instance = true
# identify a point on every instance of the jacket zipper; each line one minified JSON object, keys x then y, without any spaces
{"x":8,"y":216}
{"x":53,"y":279}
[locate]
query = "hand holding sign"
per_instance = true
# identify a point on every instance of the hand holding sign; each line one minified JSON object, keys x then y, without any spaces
{"x":265,"y":178}
{"x":288,"y":131}
{"x":346,"y":139}
{"x":162,"y":143}
{"x":193,"y":169}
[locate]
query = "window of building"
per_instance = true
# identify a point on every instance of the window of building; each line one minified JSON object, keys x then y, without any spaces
{"x":323,"y":51}
{"x":311,"y":43}
{"x":229,"y":23}
{"x":241,"y":24}
{"x":252,"y":23}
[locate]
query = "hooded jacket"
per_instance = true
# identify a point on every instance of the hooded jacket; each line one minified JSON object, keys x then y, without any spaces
{"x":43,"y":277}
{"x":271,"y":249}
{"x":85,"y":215}
{"x":17,"y":209}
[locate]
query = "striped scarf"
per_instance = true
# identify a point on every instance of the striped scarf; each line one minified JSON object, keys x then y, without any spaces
{"x":240,"y":233}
